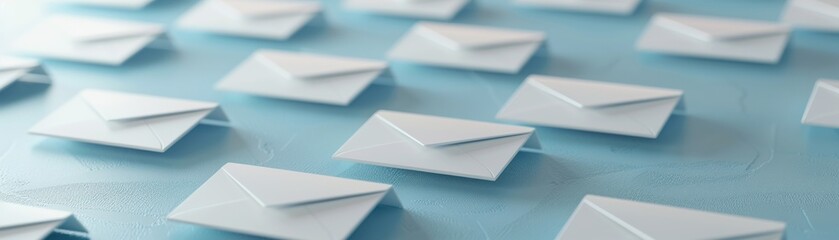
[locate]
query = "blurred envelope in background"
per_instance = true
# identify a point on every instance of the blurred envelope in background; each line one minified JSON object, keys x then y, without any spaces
{"x":21,"y":222}
{"x":14,"y":69}
{"x":124,"y":4}
{"x":127,"y":120}
{"x":425,"y":9}
{"x":283,"y":204}
{"x":305,"y":77}
{"x":591,"y":106}
{"x":616,"y":219}
{"x":820,"y":15}
{"x":468,"y":47}
{"x":268,"y":19}
{"x":449,"y":146}
{"x":823,"y":107}
{"x":616,"y":7}
{"x":717,"y":38}
{"x":91,"y":40}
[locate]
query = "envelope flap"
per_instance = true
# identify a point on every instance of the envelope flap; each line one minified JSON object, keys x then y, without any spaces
{"x":272,"y":187}
{"x":83,"y":29}
{"x":718,"y":29}
{"x":267,"y":8}
{"x":113,"y":106}
{"x":15,"y":215}
{"x":303,"y":65}
{"x":466,"y":37}
{"x":591,"y":94}
{"x":15,"y":63}
{"x":652,"y":221}
{"x":433,"y":131}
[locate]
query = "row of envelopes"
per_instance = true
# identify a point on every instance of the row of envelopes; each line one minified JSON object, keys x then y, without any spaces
{"x":112,"y":42}
{"x":812,"y":14}
{"x":284,"y":204}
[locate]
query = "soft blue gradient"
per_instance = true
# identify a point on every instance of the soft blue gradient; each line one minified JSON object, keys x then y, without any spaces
{"x":739,"y":148}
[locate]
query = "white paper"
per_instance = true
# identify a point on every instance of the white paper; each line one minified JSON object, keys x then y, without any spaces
{"x":424,"y":9}
{"x":716,"y":38}
{"x":609,"y":218}
{"x":615,"y":7}
{"x":126,"y":120}
{"x":591,"y":106}
{"x":277,"y":20}
{"x":433,"y":144}
{"x":21,"y":222}
{"x":303,"y":77}
{"x":821,"y":109}
{"x":283,"y":204}
{"x":467,"y":47}
{"x":819,"y":15}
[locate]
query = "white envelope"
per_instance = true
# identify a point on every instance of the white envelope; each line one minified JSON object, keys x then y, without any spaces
{"x":468,"y":47}
{"x":426,"y":9}
{"x":717,"y":38}
{"x":822,"y":15}
{"x":822,"y":108}
{"x":616,"y":219}
{"x":14,"y":69}
{"x":127,"y":120}
{"x":124,"y":4}
{"x":92,"y":40}
{"x":277,"y":203}
{"x":616,"y":7}
{"x":304,"y":77}
{"x":591,"y":106}
{"x":449,"y":146}
{"x":267,"y":19}
{"x":21,"y":222}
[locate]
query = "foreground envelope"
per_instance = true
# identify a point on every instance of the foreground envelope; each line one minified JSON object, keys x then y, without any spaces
{"x":717,"y":38}
{"x":468,"y":47}
{"x":283,"y":204}
{"x":21,"y":222}
{"x":439,"y":145}
{"x":615,"y":219}
{"x":616,"y":7}
{"x":125,"y":4}
{"x":13,"y":69}
{"x":820,"y":15}
{"x":267,"y":19}
{"x":822,"y":109}
{"x":127,"y":120}
{"x":91,"y":40}
{"x":304,"y":77}
{"x":427,"y":9}
{"x":592,"y":106}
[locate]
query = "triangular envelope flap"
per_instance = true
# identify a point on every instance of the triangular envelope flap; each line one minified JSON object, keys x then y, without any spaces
{"x":84,"y":29}
{"x":591,"y":94}
{"x":15,"y":215}
{"x":438,"y":131}
{"x":267,"y":8}
{"x":113,"y":106}
{"x":303,"y":65}
{"x":716,"y":29}
{"x":465,"y":37}
{"x":278,"y":188}
{"x":654,"y":221}
{"x":13,"y":63}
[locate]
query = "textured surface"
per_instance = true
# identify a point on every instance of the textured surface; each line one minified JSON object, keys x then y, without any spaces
{"x":739,"y":148}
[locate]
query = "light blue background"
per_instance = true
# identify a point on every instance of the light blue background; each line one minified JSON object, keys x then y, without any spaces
{"x":739,"y":148}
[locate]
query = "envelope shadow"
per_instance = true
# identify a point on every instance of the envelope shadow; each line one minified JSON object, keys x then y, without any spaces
{"x":19,"y":91}
{"x":374,"y":96}
{"x":203,"y":140}
{"x":382,"y":223}
{"x":59,"y":236}
{"x":148,"y":57}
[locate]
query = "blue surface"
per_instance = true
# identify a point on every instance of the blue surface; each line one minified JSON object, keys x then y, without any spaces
{"x":739,"y":148}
